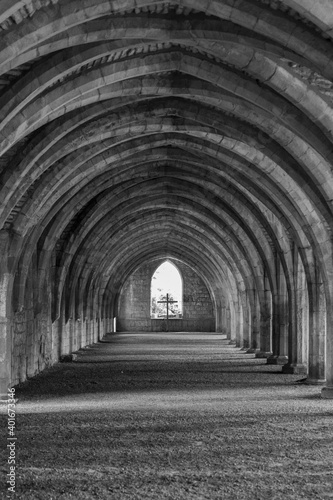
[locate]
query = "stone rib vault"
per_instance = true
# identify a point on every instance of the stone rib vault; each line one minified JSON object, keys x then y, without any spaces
{"x":135,"y":130}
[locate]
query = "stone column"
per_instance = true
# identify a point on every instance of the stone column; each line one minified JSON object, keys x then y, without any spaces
{"x":265,"y":300}
{"x":72,"y":332}
{"x":65,"y":336}
{"x":231,"y":322}
{"x":302,"y":301}
{"x":78,"y":332}
{"x":226,"y":322}
{"x":5,"y":357}
{"x":317,"y":335}
{"x":255,"y":324}
{"x":327,"y":392}
{"x":238,"y":319}
{"x":280,"y":325}
{"x":55,"y":340}
{"x":219,"y":318}
{"x":246,"y":329}
{"x":5,"y":320}
{"x":295,"y":339}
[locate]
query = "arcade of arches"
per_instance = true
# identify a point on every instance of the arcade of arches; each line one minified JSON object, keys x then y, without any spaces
{"x":194,"y":130}
{"x":194,"y":301}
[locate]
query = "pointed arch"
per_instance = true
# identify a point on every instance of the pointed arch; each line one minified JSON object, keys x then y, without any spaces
{"x":166,"y":291}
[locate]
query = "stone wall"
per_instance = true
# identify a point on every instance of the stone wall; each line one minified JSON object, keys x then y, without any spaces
{"x":31,"y":330}
{"x":37,"y":342}
{"x":134,"y":303}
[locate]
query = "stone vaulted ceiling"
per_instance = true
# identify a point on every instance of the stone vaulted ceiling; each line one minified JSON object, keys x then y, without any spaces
{"x":198,"y":130}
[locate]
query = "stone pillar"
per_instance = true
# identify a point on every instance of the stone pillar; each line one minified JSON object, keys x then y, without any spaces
{"x":78,"y":328}
{"x":227,"y":323}
{"x":218,"y":314}
{"x":71,"y":335}
{"x":296,"y":364}
{"x":302,"y":321}
{"x":64,"y":347}
{"x":56,"y":326}
{"x":84,"y":332}
{"x":265,"y":296}
{"x":280,"y":319}
{"x":246,"y":326}
{"x":219,"y":328}
{"x":317,"y":335}
{"x":101,"y":328}
{"x":5,"y":320}
{"x":231,"y":322}
{"x":5,"y":357}
{"x":255,"y":324}
{"x":238,"y":319}
{"x":91,"y":330}
{"x":96,"y":330}
{"x":327,"y":392}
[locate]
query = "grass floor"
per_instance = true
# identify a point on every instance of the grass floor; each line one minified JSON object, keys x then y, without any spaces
{"x":171,"y":416}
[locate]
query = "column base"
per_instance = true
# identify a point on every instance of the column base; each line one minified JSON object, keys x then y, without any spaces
{"x":232,"y":342}
{"x":327,"y":392}
{"x":251,"y":350}
{"x":295,"y":369}
{"x":277,"y":360}
{"x":263,"y":354}
{"x":314,"y":381}
{"x":3,"y":399}
{"x":68,"y":358}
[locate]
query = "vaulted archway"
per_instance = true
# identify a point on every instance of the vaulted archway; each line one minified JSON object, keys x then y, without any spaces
{"x":189,"y":130}
{"x":166,"y":295}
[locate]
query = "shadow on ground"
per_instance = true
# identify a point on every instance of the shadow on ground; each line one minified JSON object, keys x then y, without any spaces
{"x":171,"y":419}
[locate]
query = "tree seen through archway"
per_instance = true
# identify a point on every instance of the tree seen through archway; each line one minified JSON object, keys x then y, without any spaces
{"x":166,"y":292}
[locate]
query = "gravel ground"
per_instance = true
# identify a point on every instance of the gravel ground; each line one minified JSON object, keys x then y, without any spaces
{"x":171,"y":416}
